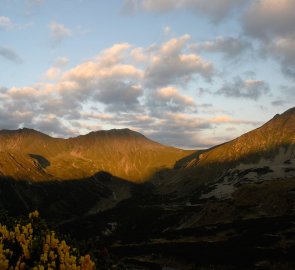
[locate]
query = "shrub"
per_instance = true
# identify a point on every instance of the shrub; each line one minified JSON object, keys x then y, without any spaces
{"x":27,"y":243}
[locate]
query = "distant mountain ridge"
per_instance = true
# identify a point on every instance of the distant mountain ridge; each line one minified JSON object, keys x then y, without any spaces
{"x":31,"y":155}
{"x":276,"y":133}
{"x":265,"y":153}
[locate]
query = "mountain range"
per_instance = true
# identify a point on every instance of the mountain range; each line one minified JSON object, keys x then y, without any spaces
{"x":230,"y":205}
{"x":265,"y":153}
{"x":31,"y":155}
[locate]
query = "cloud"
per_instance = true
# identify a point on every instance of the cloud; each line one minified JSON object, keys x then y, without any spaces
{"x":171,"y":94}
{"x":55,"y":72}
{"x":104,"y":80}
{"x":284,"y":50}
{"x":225,"y":119}
{"x":216,"y":11}
{"x":169,"y":99}
{"x":5,"y":23}
{"x":229,"y":46}
{"x":58,"y":32}
{"x":271,"y":23}
{"x":185,"y":139}
{"x":61,"y":62}
{"x":240,"y":88}
{"x":157,"y":65}
{"x":14,"y":119}
{"x":279,"y":102}
{"x":106,"y":65}
{"x":10,"y":54}
{"x":265,"y":19}
{"x":169,"y":64}
{"x":51,"y":125}
{"x":191,"y":131}
{"x":111,"y":88}
{"x":100,"y":116}
{"x":119,"y":96}
{"x":287,"y":95}
{"x":288,"y":91}
{"x":52,"y":73}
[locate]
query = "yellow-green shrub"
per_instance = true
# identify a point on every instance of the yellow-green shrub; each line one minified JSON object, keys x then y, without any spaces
{"x":28,"y":244}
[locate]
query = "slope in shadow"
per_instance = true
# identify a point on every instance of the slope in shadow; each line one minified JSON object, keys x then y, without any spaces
{"x":43,"y":162}
{"x":187,"y":180}
{"x":62,"y":200}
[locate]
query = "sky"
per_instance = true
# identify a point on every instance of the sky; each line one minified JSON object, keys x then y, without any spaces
{"x":187,"y":73}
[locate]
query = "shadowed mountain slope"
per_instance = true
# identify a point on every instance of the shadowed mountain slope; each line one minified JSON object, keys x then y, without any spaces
{"x":64,"y":200}
{"x":32,"y":155}
{"x":266,"y":152}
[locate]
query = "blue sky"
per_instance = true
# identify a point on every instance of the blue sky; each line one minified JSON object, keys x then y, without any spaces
{"x":187,"y":73}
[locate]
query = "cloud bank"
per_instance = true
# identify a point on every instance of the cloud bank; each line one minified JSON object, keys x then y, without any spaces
{"x":139,"y":87}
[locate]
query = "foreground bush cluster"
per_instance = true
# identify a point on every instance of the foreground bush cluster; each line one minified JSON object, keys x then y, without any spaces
{"x":29,"y":244}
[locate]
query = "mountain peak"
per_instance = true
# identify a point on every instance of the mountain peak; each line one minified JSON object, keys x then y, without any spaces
{"x":291,"y":110}
{"x":287,"y":113}
{"x":119,"y":133}
{"x":280,"y":122}
{"x":24,"y":130}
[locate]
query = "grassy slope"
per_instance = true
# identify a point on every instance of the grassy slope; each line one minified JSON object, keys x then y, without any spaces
{"x":31,"y":155}
{"x":266,"y":140}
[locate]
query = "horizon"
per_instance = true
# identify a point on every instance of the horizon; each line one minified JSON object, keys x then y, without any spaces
{"x":187,"y":74}
{"x":94,"y":131}
{"x":128,"y":129}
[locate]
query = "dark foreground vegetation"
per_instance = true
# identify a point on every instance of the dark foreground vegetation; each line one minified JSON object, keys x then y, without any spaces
{"x":27,"y":242}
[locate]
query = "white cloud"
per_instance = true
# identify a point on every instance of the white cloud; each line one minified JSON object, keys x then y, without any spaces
{"x":139,"y":55}
{"x":58,"y":32}
{"x":171,"y":94}
{"x":55,"y":71}
{"x":52,"y":73}
{"x":170,"y":64}
{"x":169,"y":99}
